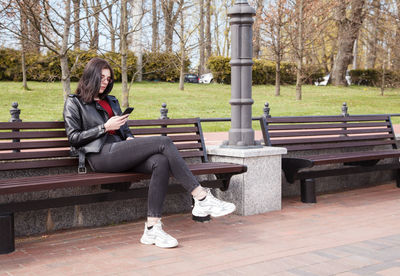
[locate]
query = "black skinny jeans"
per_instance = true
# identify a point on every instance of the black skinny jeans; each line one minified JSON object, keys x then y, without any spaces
{"x":156,"y":155}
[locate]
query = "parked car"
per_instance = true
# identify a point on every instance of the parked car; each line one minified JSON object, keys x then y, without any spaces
{"x":206,"y":78}
{"x":193,"y":78}
{"x":325,"y":80}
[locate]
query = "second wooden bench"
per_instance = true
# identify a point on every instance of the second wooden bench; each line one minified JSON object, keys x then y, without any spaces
{"x":358,"y":142}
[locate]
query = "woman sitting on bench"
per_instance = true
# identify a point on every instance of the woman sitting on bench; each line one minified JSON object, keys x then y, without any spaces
{"x":95,"y":126}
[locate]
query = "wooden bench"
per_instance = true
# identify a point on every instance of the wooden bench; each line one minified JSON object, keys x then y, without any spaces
{"x":358,"y":142}
{"x":40,"y":145}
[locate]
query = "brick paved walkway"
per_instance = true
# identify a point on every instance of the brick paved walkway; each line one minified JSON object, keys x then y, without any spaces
{"x":350,"y":233}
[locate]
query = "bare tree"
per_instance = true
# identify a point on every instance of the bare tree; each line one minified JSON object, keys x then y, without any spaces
{"x":373,"y":32}
{"x":171,"y":13}
{"x":201,"y":39}
{"x":137,"y":12}
{"x":396,"y":58}
{"x":182,"y":52}
{"x":77,"y":24}
{"x":23,"y":39}
{"x":92,"y":11}
{"x":208,"y":30}
{"x":348,"y":28}
{"x":300,"y":48}
{"x":227,"y":41}
{"x":154,"y":26}
{"x":124,"y":52}
{"x":276,"y":19}
{"x":110,"y":25}
{"x":54,"y":29}
{"x":187,"y":44}
{"x":256,"y":29}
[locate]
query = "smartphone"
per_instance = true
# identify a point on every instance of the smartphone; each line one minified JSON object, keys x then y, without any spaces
{"x":127,"y":111}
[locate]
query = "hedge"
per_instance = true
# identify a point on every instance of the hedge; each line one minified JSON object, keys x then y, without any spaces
{"x":263,"y":71}
{"x":46,"y":67}
{"x":373,"y":77}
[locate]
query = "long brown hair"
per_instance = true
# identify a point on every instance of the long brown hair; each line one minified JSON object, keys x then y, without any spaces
{"x":90,"y":82}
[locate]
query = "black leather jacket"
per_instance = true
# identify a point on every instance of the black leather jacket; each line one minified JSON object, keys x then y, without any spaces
{"x":84,"y":123}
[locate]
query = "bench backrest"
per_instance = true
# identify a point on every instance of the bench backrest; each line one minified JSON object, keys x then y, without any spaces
{"x":32,"y":145}
{"x":328,"y":132}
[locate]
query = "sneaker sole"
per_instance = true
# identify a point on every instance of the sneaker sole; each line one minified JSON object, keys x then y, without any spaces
{"x":205,"y":217}
{"x":148,"y":242}
{"x":201,"y":219}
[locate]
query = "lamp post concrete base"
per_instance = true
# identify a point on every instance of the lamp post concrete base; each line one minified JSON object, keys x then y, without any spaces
{"x":259,"y":189}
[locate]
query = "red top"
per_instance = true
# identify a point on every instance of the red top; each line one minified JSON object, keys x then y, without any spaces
{"x":104,"y":104}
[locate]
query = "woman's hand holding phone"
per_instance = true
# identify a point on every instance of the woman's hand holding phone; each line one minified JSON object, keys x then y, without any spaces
{"x":116,"y":122}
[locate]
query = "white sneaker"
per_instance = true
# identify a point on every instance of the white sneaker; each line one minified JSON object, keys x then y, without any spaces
{"x":157,"y":236}
{"x":211,"y":206}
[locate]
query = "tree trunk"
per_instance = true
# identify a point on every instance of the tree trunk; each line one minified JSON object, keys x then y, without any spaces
{"x":154,"y":27}
{"x":136,"y":36}
{"x":88,"y":23}
{"x":208,"y":31}
{"x":24,"y":23}
{"x":94,"y":42}
{"x":383,"y":78}
{"x":348,"y":29}
{"x":65,"y":76}
{"x":373,"y":34}
{"x":65,"y":73}
{"x":256,"y":31}
{"x":34,"y":26}
{"x":182,"y":46}
{"x":77,"y":25}
{"x":278,"y":78}
{"x":216,"y":33}
{"x":227,"y":41}
{"x":201,"y":38}
{"x":23,"y":65}
{"x":355,"y":55}
{"x":170,"y":19}
{"x":124,"y":52}
{"x":111,"y":26}
{"x":300,"y":45}
{"x":395,"y":60}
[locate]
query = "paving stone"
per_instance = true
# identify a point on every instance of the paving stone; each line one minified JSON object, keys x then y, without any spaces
{"x":347,"y":234}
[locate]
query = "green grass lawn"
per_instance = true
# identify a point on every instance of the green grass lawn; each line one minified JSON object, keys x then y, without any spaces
{"x":45,"y":101}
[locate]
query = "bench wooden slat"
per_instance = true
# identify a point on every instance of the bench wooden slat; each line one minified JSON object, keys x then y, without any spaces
{"x":33,"y":134}
{"x":166,"y":130}
{"x":185,"y":138}
{"x":320,"y":119}
{"x":189,"y":146}
{"x":162,"y":122}
{"x":319,"y":146}
{"x":36,"y":164}
{"x":34,"y":145}
{"x":186,"y":154}
{"x":313,"y":140}
{"x":327,"y":132}
{"x":35,"y":154}
{"x":31,"y":125}
{"x":353,"y":157}
{"x":322,"y":126}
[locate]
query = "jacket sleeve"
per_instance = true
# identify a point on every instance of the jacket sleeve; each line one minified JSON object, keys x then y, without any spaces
{"x":77,"y":136}
{"x":127,"y":132}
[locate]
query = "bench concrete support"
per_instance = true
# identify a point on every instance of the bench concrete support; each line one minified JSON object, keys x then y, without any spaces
{"x":7,"y":244}
{"x":259,"y":189}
